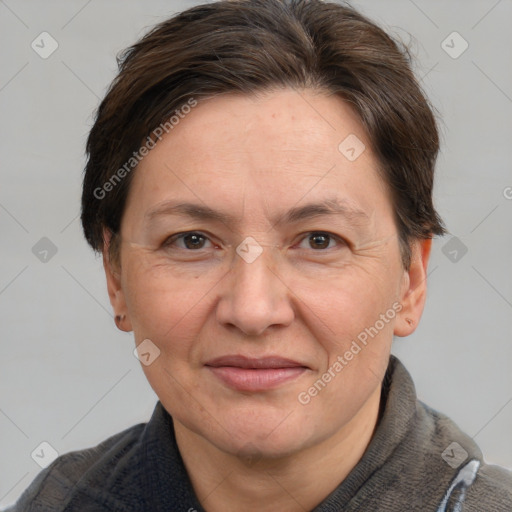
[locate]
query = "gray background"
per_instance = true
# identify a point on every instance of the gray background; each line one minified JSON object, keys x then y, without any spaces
{"x":68,"y":376}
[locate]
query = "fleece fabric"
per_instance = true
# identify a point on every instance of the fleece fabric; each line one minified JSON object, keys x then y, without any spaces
{"x":417,"y":460}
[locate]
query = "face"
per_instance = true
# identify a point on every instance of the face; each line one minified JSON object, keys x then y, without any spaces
{"x":263,"y":263}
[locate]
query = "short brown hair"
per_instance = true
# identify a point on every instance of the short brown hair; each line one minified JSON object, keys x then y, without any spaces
{"x":250,"y":46}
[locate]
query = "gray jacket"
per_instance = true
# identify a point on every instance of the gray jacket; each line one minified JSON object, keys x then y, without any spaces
{"x":417,"y":460}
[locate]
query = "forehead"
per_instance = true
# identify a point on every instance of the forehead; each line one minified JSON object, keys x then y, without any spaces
{"x":307,"y":120}
{"x":280,"y":146}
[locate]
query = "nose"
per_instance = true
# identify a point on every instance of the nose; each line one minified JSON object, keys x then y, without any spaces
{"x":254,"y":296}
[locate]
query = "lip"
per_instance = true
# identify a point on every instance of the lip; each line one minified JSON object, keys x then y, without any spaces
{"x":267,"y":362}
{"x":255,"y":374}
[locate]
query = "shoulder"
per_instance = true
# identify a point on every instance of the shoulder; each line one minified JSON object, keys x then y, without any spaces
{"x":486,"y":486}
{"x":74,"y":478}
{"x":492,"y":490}
{"x":435,"y":463}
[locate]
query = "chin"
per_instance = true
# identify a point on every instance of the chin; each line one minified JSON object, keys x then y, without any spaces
{"x":254,"y":449}
{"x":274,"y":435}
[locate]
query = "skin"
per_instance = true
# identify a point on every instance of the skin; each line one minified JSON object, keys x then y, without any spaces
{"x":303,"y":298}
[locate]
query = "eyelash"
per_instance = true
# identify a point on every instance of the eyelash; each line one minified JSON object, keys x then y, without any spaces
{"x":180,"y":236}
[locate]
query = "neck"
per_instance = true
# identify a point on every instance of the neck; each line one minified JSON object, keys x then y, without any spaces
{"x":224,"y":482}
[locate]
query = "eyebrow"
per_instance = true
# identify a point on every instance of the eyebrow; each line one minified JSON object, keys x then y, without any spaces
{"x":327,"y":207}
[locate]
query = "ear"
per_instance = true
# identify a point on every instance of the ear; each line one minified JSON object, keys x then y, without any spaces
{"x":414,"y":289}
{"x":114,"y":287}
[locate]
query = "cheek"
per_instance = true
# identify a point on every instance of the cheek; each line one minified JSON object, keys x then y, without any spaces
{"x":170,"y":308}
{"x":352,"y":320}
{"x":343,"y":303}
{"x":164,"y":302}
{"x":355,"y":357}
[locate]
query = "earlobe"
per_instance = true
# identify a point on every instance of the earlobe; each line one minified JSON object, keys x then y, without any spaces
{"x":414,"y":289}
{"x":115,"y":290}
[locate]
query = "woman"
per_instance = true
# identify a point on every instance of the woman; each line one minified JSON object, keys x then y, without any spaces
{"x":259,"y":183}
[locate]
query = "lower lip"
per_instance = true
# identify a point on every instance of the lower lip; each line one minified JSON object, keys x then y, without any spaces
{"x":261,"y":379}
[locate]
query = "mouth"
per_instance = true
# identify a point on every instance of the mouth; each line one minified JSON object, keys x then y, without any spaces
{"x":255,"y":374}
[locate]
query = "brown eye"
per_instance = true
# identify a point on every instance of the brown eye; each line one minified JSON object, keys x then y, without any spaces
{"x":192,"y":240}
{"x":319,"y":241}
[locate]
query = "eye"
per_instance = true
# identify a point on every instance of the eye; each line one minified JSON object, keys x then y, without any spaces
{"x":319,"y":240}
{"x":191,"y":240}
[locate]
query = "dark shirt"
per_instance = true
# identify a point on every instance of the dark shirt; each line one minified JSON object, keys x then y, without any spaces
{"x":416,"y":461}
